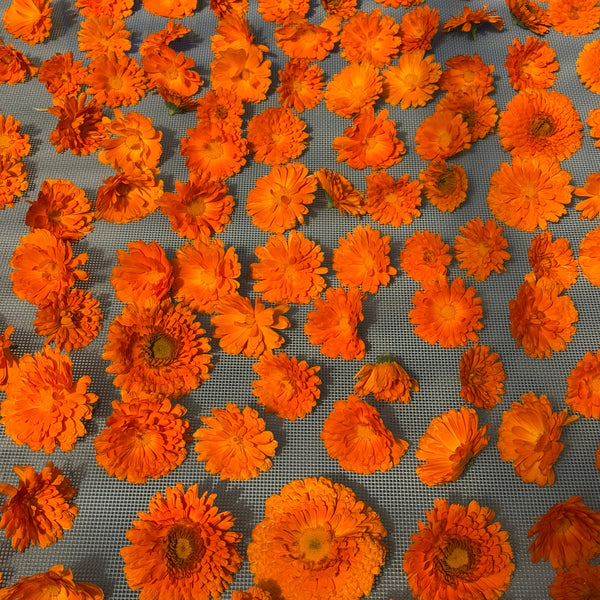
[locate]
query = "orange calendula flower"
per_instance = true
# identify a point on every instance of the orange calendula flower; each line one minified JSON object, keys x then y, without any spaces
{"x":587,"y":65}
{"x":529,"y":15}
{"x":593,"y":121}
{"x":103,"y":34}
{"x":386,"y":379}
{"x":574,"y":542}
{"x":354,"y":88}
{"x":282,"y":11}
{"x":531,"y":65}
{"x":417,"y":28}
{"x":245,"y":329}
{"x":529,"y":438}
{"x":280,"y":199}
{"x":334,"y":324}
{"x":481,"y":248}
{"x":467,"y":72}
{"x":155,"y":41}
{"x":289,"y":271}
{"x":172,"y":70}
{"x":459,"y":553}
{"x":144,"y":437}
{"x":29,"y":20}
{"x":317,"y":532}
{"x":530,"y":192}
{"x":448,"y":314}
{"x":470,"y":20}
{"x":44,"y":407}
{"x":12,"y":180}
{"x":589,"y":257}
{"x":287,"y":387}
{"x":425,"y":256}
{"x":61,"y":75}
{"x":15,"y":67}
{"x":444,"y":185}
{"x":300,"y":85}
{"x":441,"y":135}
{"x":8,"y":361}
{"x":116,"y":9}
{"x":159,"y":349}
{"x":13,"y":143}
{"x":574,"y":17}
{"x":576,"y":583}
{"x":204,"y":273}
{"x":451,"y":440}
{"x":412,"y":81}
{"x":44,"y":264}
{"x":541,"y":320}
{"x":391,"y":201}
{"x":583,"y":391}
{"x":356,"y":437}
{"x":223,"y":106}
{"x":182,"y":547}
{"x":301,"y":39}
{"x":362,"y":259}
{"x":233,"y":32}
{"x":253,"y":593}
{"x":175,"y":9}
{"x":235,"y":444}
{"x":344,"y":8}
{"x":590,"y":207}
{"x":553,"y":259}
{"x":39,"y":509}
{"x":481,"y":377}
{"x":340,"y":192}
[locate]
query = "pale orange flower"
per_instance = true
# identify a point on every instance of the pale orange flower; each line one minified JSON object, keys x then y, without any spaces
{"x":425,"y":256}
{"x":300,"y":85}
{"x":172,"y":70}
{"x":574,"y":17}
{"x":481,"y":377}
{"x":245,"y":329}
{"x":529,"y":15}
{"x":223,"y":106}
{"x":29,"y":20}
{"x":61,"y":75}
{"x":334,"y":324}
{"x":287,"y":387}
{"x":288,"y":271}
{"x":567,"y":535}
{"x":587,"y":65}
{"x":466,"y":72}
{"x":553,"y":259}
{"x":441,"y":135}
{"x":174,"y":9}
{"x":391,"y":201}
{"x":481,"y":248}
{"x":589,"y":257}
{"x":444,"y":185}
{"x":340,"y":192}
{"x":103,"y":34}
{"x":531,"y":65}
{"x":418,"y":27}
{"x":470,"y":20}
{"x":15,"y":67}
{"x":155,"y":41}
{"x":576,"y":583}
{"x":235,"y":444}
{"x":13,"y":143}
{"x":354,"y":88}
{"x":282,"y":11}
{"x":301,"y":39}
{"x":115,"y":9}
{"x":386,"y":380}
{"x":583,"y":390}
{"x":12,"y":180}
{"x":541,"y":320}
{"x":590,"y":207}
{"x":451,"y":440}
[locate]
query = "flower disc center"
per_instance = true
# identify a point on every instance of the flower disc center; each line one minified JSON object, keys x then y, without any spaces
{"x":162,"y":347}
{"x":315,"y":544}
{"x":183,"y":551}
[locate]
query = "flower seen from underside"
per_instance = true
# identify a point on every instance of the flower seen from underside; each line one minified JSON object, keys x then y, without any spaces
{"x":386,"y":379}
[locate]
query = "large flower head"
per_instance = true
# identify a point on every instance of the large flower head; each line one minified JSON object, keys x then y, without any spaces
{"x":386,"y":379}
{"x":531,"y":65}
{"x":574,"y":17}
{"x":102,"y":34}
{"x":354,"y":88}
{"x":172,"y":70}
{"x":425,"y":256}
{"x":418,"y":27}
{"x":300,"y":85}
{"x":583,"y":386}
{"x":29,"y":20}
{"x":577,"y":583}
{"x":467,"y":72}
{"x":530,"y":15}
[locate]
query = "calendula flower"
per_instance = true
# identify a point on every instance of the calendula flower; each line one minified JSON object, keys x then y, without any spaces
{"x":444,"y":185}
{"x":29,"y":20}
{"x":576,"y":583}
{"x":593,"y":121}
{"x":175,"y":9}
{"x":13,"y":143}
{"x":223,"y":106}
{"x":289,"y":270}
{"x":235,"y":444}
{"x":529,"y":15}
{"x":117,"y":9}
{"x":451,"y":440}
{"x":470,"y":20}
{"x":155,"y":41}
{"x":589,"y":259}
{"x":15,"y":67}
{"x":159,"y":349}
{"x":103,"y":34}
{"x":412,"y":81}
{"x":287,"y":387}
{"x":459,"y":551}
{"x":222,"y":8}
{"x":280,"y":199}
{"x":568,"y":534}
{"x":590,"y":207}
{"x":531,"y":65}
{"x":386,"y":379}
{"x":181,"y":547}
{"x":398,"y":3}
{"x":300,"y":85}
{"x":587,"y":68}
{"x":252,"y":593}
{"x":172,"y":70}
{"x":44,"y":264}
{"x":317,"y":532}
{"x":541,"y":320}
{"x":343,"y":8}
{"x":530,"y":192}
{"x":354,"y":88}
{"x":441,"y":135}
{"x":537,"y":122}
{"x":481,"y":248}
{"x":392,"y":201}
{"x":8,"y":361}
{"x":529,"y":438}
{"x":340,"y":192}
{"x":61,"y":75}
{"x":553,"y":259}
{"x":204,"y":273}
{"x":13,"y":180}
{"x":301,"y":39}
{"x":44,"y":407}
{"x":144,"y":437}
{"x":70,"y":319}
{"x":417,"y":28}
{"x":574,"y":17}
{"x":425,"y":256}
{"x":334,"y":324}
{"x":233,"y":32}
{"x":481,"y":377}
{"x":583,"y":394}
{"x":282,"y":11}
{"x":467,"y":72}
{"x":477,"y":111}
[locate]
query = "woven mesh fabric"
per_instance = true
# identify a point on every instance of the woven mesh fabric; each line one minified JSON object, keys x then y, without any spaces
{"x":107,"y":506}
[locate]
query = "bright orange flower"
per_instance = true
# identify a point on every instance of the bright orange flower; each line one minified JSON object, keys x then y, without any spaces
{"x":44,"y":407}
{"x":540,"y":123}
{"x":61,"y":75}
{"x":451,"y":440}
{"x":529,"y":192}
{"x":446,"y":313}
{"x":13,"y":143}
{"x":276,"y":136}
{"x":577,"y":583}
{"x":568,"y":534}
{"x":235,"y":444}
{"x":587,"y":65}
{"x":115,"y":9}
{"x":12,"y":180}
{"x":531,"y":65}
{"x":155,"y":41}
{"x":481,"y":376}
{"x":223,"y":106}
{"x":301,"y":39}
{"x":103,"y":34}
{"x":583,"y":390}
{"x":593,"y":121}
{"x":222,"y":8}
{"x":413,"y":81}
{"x":590,"y":207}
{"x":398,"y":3}
{"x":159,"y":349}
{"x":541,"y":320}
{"x":334,"y":324}
{"x":391,"y":201}
{"x":574,"y":17}
{"x":286,"y":387}
{"x":29,"y":20}
{"x":340,"y":192}
{"x":418,"y":27}
{"x":15,"y":67}
{"x":343,"y":8}
{"x":175,"y":9}
{"x":459,"y":553}
{"x":466,"y":72}
{"x":528,"y":437}
{"x":182,"y":547}
{"x":175,"y":102}
{"x":481,"y":248}
{"x":425,"y":256}
{"x":529,"y":15}
{"x":282,"y":11}
{"x":204,"y":273}
{"x":300,"y":85}
{"x":144,"y":437}
{"x":8,"y":361}
{"x":280,"y":199}
{"x":444,"y":185}
{"x":362,"y":259}
{"x":470,"y":20}
{"x":354,"y":88}
{"x":44,"y":264}
{"x":233,"y":33}
{"x":288,"y":271}
{"x":319,"y":533}
{"x":253,"y":593}
{"x":386,"y":379}
{"x":589,"y":256}
{"x":69,"y":319}
{"x":441,"y":135}
{"x":172,"y":70}
{"x":357,"y":438}
{"x":477,"y":111}
{"x":245,"y":329}
{"x":553,"y":259}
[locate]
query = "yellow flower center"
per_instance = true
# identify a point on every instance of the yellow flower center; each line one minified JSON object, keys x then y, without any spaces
{"x":314,"y":544}
{"x":196,"y":207}
{"x":447,"y":181}
{"x":115,"y":82}
{"x":541,"y":126}
{"x":162,"y":347}
{"x":448,"y":312}
{"x":214,"y":150}
{"x":183,"y":551}
{"x":456,"y":560}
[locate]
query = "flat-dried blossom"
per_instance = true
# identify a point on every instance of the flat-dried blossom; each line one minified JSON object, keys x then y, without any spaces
{"x":576,"y":583}
{"x":574,"y":17}
{"x":444,"y":185}
{"x":442,"y":135}
{"x":425,"y":256}
{"x":13,"y":180}
{"x":300,"y":85}
{"x":354,"y":88}
{"x":172,"y":70}
{"x":301,"y":39}
{"x":531,"y":65}
{"x":392,"y":201}
{"x":418,"y":27}
{"x":13,"y":143}
{"x":467,"y":72}
{"x":103,"y":34}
